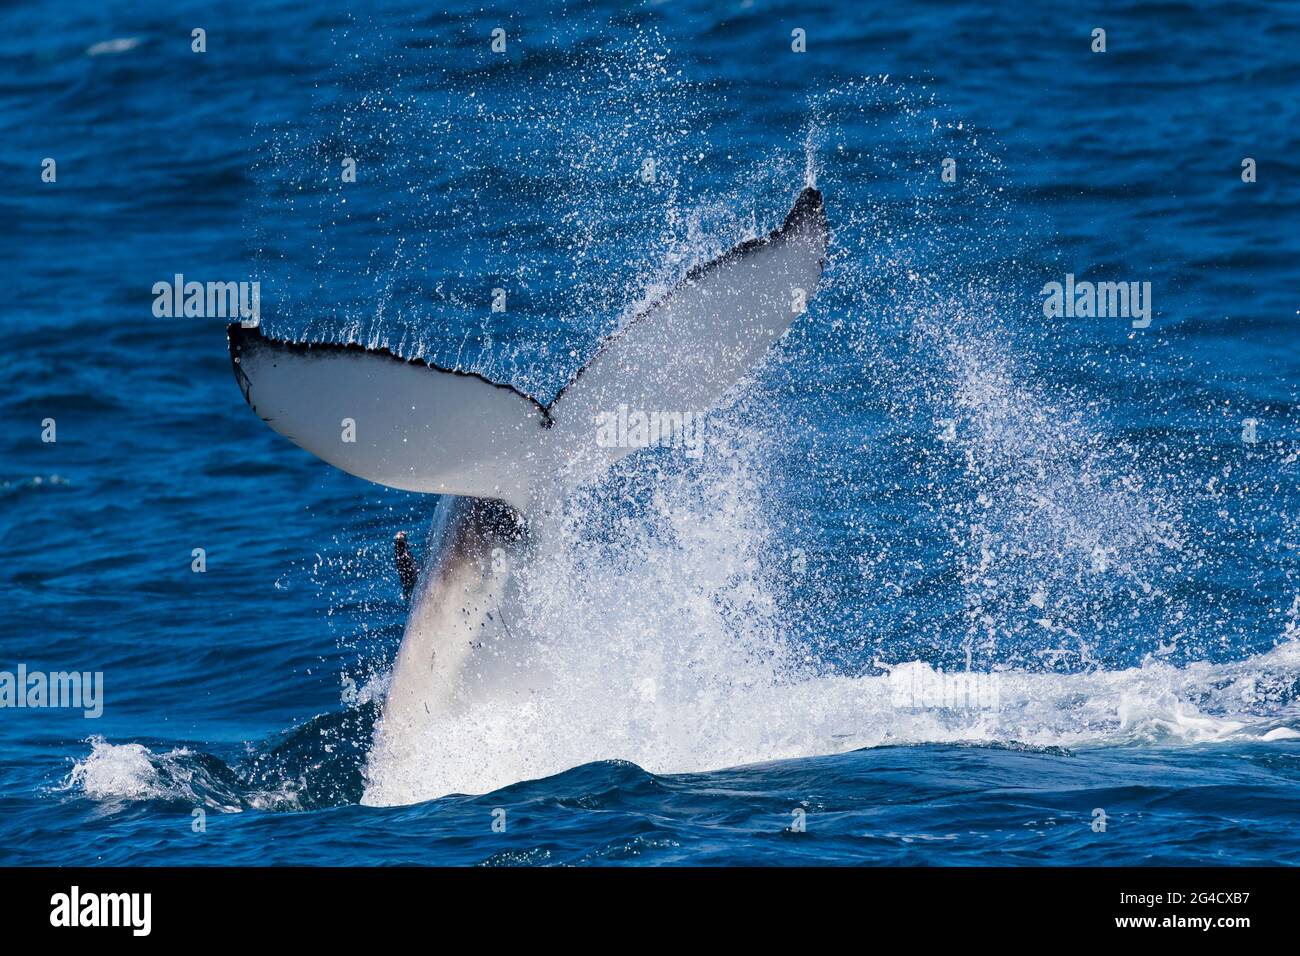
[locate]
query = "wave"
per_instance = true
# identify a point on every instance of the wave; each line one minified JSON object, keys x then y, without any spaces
{"x":313,"y":766}
{"x":321,"y":763}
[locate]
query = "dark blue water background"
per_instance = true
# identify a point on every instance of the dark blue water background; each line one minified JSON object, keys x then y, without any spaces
{"x":1095,"y":518}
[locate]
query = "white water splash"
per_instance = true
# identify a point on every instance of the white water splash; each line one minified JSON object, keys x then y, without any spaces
{"x":678,"y":716}
{"x":660,"y":642}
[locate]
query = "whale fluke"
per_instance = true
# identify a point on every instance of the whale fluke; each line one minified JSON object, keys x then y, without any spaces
{"x":415,"y":425}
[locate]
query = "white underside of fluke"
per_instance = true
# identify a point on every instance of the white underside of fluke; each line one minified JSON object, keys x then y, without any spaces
{"x":416,"y":426}
{"x":401,"y":424}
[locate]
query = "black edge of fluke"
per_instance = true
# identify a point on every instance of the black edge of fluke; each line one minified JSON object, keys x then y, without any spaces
{"x":235,"y":338}
{"x":808,"y":208}
{"x":808,"y":212}
{"x":244,"y":339}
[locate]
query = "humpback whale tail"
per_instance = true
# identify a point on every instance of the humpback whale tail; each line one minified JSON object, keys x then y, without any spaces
{"x":506,"y":458}
{"x":417,"y":426}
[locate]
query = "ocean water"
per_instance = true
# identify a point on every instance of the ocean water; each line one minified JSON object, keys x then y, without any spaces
{"x":1087,"y":532}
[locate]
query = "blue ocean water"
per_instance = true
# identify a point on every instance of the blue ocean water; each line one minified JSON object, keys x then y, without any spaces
{"x":929,"y":474}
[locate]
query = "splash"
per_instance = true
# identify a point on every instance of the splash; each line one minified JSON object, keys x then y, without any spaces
{"x":660,"y":640}
{"x":694,"y":630}
{"x":126,"y":773}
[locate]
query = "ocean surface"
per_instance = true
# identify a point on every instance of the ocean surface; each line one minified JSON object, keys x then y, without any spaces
{"x":1086,"y":529}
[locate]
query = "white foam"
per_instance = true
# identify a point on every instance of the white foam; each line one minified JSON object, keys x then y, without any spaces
{"x":661,"y":644}
{"x":641,"y":710}
{"x":121,"y":771}
{"x":125,"y":773}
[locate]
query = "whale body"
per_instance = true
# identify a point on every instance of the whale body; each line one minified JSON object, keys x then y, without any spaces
{"x":504,"y":460}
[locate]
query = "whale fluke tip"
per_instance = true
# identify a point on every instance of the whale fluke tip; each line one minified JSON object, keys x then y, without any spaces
{"x":808,"y":209}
